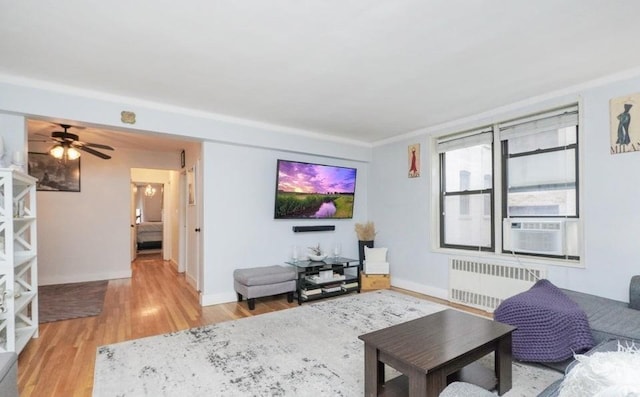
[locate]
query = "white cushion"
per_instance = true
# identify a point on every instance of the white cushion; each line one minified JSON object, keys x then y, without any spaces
{"x":604,"y":374}
{"x":375,"y":254}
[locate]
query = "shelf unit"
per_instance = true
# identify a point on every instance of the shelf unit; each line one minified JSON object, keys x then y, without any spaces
{"x":308,"y":270}
{"x":18,"y":260}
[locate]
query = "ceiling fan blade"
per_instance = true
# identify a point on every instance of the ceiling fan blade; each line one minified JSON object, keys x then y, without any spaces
{"x":91,"y":151}
{"x":97,"y":145}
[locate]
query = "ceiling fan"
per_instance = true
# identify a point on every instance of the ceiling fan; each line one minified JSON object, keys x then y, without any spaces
{"x":67,"y":145}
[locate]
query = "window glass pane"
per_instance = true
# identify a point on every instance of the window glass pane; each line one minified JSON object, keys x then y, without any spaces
{"x":552,"y":168}
{"x":471,"y":163}
{"x":465,"y":182}
{"x":465,"y":205}
{"x":473,"y":229}
{"x":543,"y":203}
{"x":542,"y":184}
{"x":544,"y":140}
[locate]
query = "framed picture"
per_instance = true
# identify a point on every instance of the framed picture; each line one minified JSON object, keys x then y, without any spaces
{"x":625,"y":124}
{"x":54,"y":175}
{"x":191,"y":186}
{"x":414,"y":160}
{"x":183,"y":159}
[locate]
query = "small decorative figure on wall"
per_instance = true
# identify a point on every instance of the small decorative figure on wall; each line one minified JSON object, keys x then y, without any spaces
{"x":128,"y":117}
{"x":625,"y":124}
{"x":414,"y":160}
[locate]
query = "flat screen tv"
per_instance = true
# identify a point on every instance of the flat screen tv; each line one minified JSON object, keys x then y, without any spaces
{"x":314,"y":191}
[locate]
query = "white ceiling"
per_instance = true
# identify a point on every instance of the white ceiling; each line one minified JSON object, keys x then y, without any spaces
{"x":361,"y":69}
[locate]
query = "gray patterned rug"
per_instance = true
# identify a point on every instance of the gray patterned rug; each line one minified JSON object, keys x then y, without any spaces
{"x":312,"y":350}
{"x":66,"y":301}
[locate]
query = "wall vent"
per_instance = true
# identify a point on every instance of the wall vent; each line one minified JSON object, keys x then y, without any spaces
{"x":485,"y":285}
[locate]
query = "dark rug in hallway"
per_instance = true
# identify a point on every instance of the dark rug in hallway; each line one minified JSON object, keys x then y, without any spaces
{"x":67,"y":301}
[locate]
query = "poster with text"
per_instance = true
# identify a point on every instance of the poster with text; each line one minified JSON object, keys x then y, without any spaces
{"x":625,"y":124}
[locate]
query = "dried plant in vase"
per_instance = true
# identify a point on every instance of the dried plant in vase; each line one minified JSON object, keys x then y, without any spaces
{"x":366,"y":231}
{"x":316,"y":253}
{"x":316,"y":250}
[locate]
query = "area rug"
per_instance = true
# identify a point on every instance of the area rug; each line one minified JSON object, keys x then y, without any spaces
{"x":67,"y":301}
{"x":311,"y":350}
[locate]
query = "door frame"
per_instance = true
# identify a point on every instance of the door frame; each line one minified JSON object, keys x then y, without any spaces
{"x":132,"y":219}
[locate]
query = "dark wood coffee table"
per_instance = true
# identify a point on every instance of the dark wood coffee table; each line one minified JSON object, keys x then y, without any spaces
{"x":432,"y":350}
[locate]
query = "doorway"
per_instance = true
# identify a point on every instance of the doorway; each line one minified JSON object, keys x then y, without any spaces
{"x":154,"y":215}
{"x":104,"y":200}
{"x":149,"y":218}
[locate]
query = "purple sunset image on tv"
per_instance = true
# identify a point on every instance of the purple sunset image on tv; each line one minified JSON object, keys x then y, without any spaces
{"x":306,"y":190}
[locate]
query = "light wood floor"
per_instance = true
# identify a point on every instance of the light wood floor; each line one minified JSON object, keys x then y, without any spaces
{"x":156,"y":300}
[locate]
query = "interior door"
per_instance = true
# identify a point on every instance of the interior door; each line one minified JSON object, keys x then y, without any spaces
{"x":134,"y":235}
{"x":182,"y":222}
{"x":193,"y":230}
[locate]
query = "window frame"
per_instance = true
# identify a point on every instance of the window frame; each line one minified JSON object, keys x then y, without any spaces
{"x":504,"y":159}
{"x":443,"y":194}
{"x":499,"y":194}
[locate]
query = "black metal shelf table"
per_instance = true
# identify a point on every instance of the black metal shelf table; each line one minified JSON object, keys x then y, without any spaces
{"x":341,"y":282}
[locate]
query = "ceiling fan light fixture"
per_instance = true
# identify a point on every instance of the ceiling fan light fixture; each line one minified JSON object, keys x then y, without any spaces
{"x":57,"y":151}
{"x":73,"y":153}
{"x":64,"y":152}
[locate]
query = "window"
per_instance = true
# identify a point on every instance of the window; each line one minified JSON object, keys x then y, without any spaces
{"x":537,"y":157}
{"x":464,"y":164}
{"x":540,"y":172}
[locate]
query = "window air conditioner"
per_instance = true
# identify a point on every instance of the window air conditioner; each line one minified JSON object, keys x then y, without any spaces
{"x":535,"y":236}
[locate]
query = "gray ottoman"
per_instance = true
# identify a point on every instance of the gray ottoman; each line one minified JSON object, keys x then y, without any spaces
{"x":257,"y":282}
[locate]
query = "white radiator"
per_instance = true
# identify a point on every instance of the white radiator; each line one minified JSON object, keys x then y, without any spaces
{"x":485,"y":285}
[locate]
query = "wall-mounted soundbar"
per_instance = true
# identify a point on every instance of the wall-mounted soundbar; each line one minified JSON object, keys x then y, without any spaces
{"x":321,"y":228}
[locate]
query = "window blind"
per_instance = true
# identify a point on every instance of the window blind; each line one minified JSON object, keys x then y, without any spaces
{"x":464,"y":140}
{"x":548,"y":121}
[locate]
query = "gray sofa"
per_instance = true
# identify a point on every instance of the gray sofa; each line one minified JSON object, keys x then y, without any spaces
{"x":610,"y":321}
{"x":8,"y":374}
{"x":608,"y":318}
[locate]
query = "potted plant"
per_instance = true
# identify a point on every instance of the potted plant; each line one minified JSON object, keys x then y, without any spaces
{"x":366,"y":234}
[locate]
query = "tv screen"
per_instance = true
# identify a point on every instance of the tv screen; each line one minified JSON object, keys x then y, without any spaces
{"x":314,"y":191}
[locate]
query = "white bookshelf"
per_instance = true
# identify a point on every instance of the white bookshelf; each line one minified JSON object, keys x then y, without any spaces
{"x":18,"y":260}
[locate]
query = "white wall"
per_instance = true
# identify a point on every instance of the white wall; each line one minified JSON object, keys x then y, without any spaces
{"x":13,"y":130}
{"x":609,"y":192}
{"x":30,"y":97}
{"x":227,"y":141}
{"x":239,"y":190}
{"x":86,"y":236}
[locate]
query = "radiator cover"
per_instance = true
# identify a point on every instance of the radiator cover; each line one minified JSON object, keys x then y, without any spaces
{"x":485,"y":285}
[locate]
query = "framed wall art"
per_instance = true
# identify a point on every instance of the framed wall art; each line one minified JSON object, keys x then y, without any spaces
{"x":54,"y":175}
{"x":191,"y":186}
{"x":414,"y":160}
{"x":625,"y":124}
